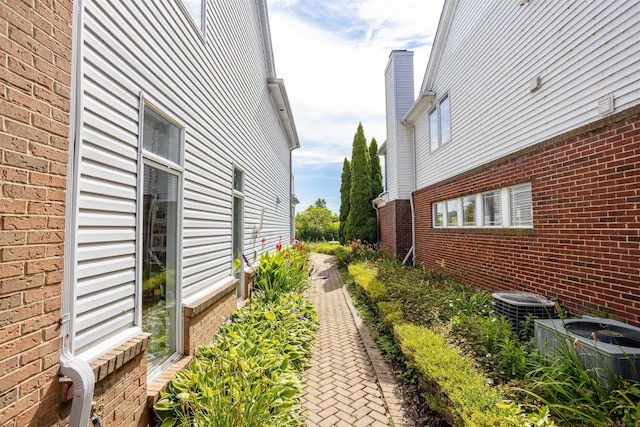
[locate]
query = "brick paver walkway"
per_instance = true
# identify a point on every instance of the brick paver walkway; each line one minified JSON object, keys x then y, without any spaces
{"x":348,"y":383}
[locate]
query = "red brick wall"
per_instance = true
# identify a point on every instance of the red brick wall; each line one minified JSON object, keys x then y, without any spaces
{"x":35,"y":65}
{"x":395,"y":227}
{"x":584,"y":249}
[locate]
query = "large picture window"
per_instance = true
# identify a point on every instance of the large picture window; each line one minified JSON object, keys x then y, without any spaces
{"x":161,"y":177}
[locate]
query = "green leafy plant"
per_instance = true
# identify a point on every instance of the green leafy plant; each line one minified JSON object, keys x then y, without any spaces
{"x":251,"y":376}
{"x":282,"y":272}
{"x":364,"y":274}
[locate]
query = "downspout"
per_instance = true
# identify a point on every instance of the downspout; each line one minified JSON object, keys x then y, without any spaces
{"x":76,"y":369}
{"x":412,"y":250}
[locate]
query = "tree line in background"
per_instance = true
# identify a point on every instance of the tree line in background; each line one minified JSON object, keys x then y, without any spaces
{"x":361,"y":182}
{"x":316,"y":223}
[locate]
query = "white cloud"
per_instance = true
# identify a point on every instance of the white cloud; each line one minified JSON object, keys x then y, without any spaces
{"x":332,"y":55}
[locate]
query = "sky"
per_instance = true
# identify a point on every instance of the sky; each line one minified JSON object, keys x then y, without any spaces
{"x":332,"y":55}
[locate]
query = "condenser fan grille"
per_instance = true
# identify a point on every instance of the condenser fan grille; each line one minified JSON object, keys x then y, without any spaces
{"x":610,"y":334}
{"x":516,"y":306}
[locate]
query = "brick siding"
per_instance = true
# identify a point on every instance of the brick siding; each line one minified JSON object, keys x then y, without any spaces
{"x":394,"y":220}
{"x":202,"y":320}
{"x":35,"y":65}
{"x":584,"y":249}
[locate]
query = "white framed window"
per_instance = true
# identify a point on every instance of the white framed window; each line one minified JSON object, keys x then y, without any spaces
{"x":197,"y":10}
{"x":492,"y":209}
{"x":469,"y":208}
{"x":438,"y":214}
{"x":238,"y":229}
{"x":521,"y":208}
{"x":452,"y":213}
{"x":508,"y":207}
{"x":440,"y":124}
{"x":160,"y":185}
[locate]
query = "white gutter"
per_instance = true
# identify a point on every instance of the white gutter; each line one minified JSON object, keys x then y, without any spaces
{"x":76,"y":369}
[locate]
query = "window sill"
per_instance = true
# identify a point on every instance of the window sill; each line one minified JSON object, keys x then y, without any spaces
{"x":160,"y":384}
{"x":485,"y":231}
{"x":198,"y":306}
{"x":116,"y":358}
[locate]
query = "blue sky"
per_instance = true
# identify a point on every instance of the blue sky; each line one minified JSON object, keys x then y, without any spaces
{"x":331,"y":55}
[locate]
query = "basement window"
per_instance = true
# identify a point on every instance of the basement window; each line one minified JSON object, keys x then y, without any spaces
{"x":508,"y":207}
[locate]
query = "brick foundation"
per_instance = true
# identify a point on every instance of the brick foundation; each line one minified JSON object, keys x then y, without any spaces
{"x":35,"y":64}
{"x":584,"y":249}
{"x":395,"y":227}
{"x":121,"y":385}
{"x":203,"y":318}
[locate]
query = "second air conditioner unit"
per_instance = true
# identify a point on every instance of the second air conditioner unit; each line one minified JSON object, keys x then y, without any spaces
{"x":605,"y":346}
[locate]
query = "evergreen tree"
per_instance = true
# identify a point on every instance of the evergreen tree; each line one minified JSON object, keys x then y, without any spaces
{"x":359,"y":221}
{"x":320,"y":203}
{"x":345,"y":188}
{"x":376,"y":170}
{"x":376,"y":181}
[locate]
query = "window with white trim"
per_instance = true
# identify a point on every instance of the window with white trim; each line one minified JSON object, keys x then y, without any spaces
{"x":452,"y":213}
{"x":508,"y":207}
{"x":161,"y":156}
{"x":238,"y":229}
{"x":438,"y":214}
{"x":520,"y":203}
{"x":491,"y":209}
{"x":196,"y":9}
{"x":440,"y":124}
{"x":469,"y":211}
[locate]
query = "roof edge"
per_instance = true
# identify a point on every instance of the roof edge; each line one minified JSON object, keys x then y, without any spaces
{"x":280,"y":100}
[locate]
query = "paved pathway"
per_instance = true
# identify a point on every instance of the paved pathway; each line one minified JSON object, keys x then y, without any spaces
{"x":348,"y":383}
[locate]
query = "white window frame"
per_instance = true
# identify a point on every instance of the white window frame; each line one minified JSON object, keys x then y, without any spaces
{"x":238,"y":194}
{"x":453,"y":204}
{"x":505,"y":210}
{"x":437,"y":110}
{"x":177,"y":169}
{"x":202,"y":25}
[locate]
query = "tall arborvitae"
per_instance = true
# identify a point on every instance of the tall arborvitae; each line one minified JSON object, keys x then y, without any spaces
{"x":345,"y":189}
{"x":376,"y":180}
{"x":376,"y":170}
{"x":359,"y":221}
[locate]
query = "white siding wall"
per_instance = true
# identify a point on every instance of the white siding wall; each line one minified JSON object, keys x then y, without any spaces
{"x":215,"y":88}
{"x":581,"y":50}
{"x":390,"y":162}
{"x":400,"y":151}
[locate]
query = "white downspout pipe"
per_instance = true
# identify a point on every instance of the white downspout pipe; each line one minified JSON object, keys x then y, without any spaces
{"x":415,"y":184}
{"x":76,"y":369}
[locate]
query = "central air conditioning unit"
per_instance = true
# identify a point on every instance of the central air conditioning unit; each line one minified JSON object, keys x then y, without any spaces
{"x":516,"y":306}
{"x":604,"y":345}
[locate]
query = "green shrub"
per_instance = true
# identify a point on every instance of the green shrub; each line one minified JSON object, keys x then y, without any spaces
{"x":282,"y":272}
{"x":251,"y":376}
{"x":364,"y":274}
{"x":325,"y":247}
{"x":457,"y":390}
{"x":390,"y":312}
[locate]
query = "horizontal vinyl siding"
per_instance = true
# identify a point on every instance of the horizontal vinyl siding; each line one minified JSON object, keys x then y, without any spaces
{"x":581,"y":50}
{"x":391,"y":163}
{"x":403,"y":78}
{"x":216,"y":89}
{"x":421,"y":129}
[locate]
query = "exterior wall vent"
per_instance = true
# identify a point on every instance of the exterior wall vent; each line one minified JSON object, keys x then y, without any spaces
{"x":605,"y":346}
{"x":605,"y":105}
{"x":516,"y":306}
